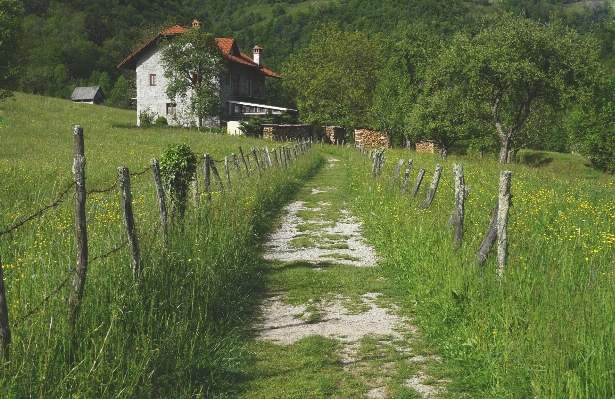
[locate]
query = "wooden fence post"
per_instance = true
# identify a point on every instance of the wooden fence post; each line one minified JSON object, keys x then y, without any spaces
{"x":236,"y":163}
{"x":227,"y":172}
{"x":162,"y":207}
{"x":81,"y":236}
{"x":417,"y":184}
{"x":275,"y":157}
{"x":129,"y":220}
{"x":503,"y":207}
{"x":490,"y":237}
{"x":5,"y":331}
{"x":216,"y":174}
{"x":400,"y":163}
{"x":244,"y":161}
{"x":268,"y":157}
{"x":458,"y":212}
{"x":432,"y":189}
{"x":376,"y":162}
{"x":207,"y":170}
{"x":404,"y":185}
{"x":258,"y":166}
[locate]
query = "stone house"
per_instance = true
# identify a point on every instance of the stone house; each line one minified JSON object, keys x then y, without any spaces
{"x":88,"y":95}
{"x":242,"y":85}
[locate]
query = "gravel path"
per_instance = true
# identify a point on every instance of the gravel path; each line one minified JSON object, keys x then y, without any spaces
{"x":334,"y":242}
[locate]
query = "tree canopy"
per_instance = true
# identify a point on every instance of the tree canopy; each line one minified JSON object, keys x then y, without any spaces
{"x":10,"y":13}
{"x":192,"y":64}
{"x":334,"y":77}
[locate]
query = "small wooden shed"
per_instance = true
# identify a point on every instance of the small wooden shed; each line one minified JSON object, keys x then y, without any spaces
{"x":88,"y":95}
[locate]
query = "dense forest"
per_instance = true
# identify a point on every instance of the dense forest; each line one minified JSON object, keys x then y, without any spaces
{"x":48,"y":47}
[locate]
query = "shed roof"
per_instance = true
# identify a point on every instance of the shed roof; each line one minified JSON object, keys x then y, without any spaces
{"x":228,"y":45}
{"x":85,"y":93}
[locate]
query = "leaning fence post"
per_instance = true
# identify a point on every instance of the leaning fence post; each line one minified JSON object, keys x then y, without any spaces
{"x":258,"y":166}
{"x":227,"y":172}
{"x":216,"y":174}
{"x":162,"y":207}
{"x":268,"y":157}
{"x":236,"y":163}
{"x":207,"y":169}
{"x":129,"y":220}
{"x":244,"y":161}
{"x":400,"y":163}
{"x":490,"y":238}
{"x":5,"y":332}
{"x":458,"y":211}
{"x":417,"y":184}
{"x":404,"y":185}
{"x":503,"y":207}
{"x":76,"y":294}
{"x":432,"y":189}
{"x":195,"y":190}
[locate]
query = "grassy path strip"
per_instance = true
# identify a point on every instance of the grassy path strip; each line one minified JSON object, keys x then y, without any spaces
{"x":330,"y":326}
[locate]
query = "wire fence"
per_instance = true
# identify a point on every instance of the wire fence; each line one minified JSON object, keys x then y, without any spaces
{"x":262,"y":159}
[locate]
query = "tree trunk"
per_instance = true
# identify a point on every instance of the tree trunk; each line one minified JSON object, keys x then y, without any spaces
{"x":505,"y":148}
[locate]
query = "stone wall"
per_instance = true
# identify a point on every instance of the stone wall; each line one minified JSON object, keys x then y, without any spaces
{"x":370,"y":138}
{"x":429,"y":146}
{"x":334,"y":134}
{"x":287,"y":132}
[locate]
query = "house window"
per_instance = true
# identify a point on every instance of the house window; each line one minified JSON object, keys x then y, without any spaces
{"x":194,"y":76}
{"x":171,"y":108}
{"x":152,"y":79}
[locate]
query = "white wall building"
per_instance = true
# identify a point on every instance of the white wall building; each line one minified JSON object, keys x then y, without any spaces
{"x":242,"y":86}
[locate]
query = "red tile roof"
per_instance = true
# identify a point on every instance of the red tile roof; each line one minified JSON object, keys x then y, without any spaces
{"x":228,"y":45}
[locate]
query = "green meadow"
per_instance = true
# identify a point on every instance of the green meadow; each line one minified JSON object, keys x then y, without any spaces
{"x":545,"y":330}
{"x":174,"y":332}
{"x":182,"y":329}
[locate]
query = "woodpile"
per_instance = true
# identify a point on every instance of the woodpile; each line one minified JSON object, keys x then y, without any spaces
{"x":428,"y":146}
{"x":370,"y":138}
{"x":334,"y":134}
{"x":287,"y":132}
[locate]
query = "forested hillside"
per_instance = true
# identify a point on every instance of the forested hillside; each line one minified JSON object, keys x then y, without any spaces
{"x":68,"y":43}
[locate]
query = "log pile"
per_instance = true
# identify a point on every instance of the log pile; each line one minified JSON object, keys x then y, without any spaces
{"x":334,"y":134}
{"x":287,"y":132}
{"x":369,"y":138}
{"x":428,"y":146}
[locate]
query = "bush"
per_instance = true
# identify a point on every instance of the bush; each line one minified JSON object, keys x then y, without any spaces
{"x":146,"y":118}
{"x":161,"y":121}
{"x":177,"y":166}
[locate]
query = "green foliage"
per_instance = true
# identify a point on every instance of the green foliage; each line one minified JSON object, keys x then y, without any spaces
{"x":121,"y":95}
{"x":177,"y":167}
{"x":146,"y":118}
{"x":334,"y":78}
{"x":10,"y":16}
{"x":161,"y":121}
{"x":192,"y":64}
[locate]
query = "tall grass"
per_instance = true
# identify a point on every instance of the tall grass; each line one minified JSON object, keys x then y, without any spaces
{"x":546,"y":329}
{"x":173,"y":332}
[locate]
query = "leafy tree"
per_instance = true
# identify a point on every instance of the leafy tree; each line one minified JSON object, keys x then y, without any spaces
{"x":406,"y":53}
{"x":514,"y":68}
{"x":10,"y":24}
{"x":121,"y":95}
{"x":334,"y":78}
{"x":192,"y":63}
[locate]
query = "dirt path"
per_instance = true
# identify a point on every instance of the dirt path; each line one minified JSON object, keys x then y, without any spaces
{"x":328,"y":304}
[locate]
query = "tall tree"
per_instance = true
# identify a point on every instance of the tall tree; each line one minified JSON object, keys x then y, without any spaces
{"x":513,"y":67}
{"x":10,"y":23}
{"x":192,"y":64}
{"x":333,"y":79}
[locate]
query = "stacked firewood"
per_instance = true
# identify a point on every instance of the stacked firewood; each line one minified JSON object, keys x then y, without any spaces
{"x":429,"y":146}
{"x":334,"y":134}
{"x":370,"y":138}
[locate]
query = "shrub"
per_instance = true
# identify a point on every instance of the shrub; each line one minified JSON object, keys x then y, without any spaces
{"x":146,"y":118}
{"x":177,"y":166}
{"x":161,"y":121}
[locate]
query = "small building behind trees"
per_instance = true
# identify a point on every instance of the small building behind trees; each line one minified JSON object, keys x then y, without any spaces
{"x":88,"y":95}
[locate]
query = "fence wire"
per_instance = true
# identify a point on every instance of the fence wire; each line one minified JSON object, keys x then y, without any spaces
{"x":39,"y":212}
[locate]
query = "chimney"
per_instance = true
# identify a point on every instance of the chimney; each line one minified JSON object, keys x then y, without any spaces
{"x":257,"y":54}
{"x":195,"y":23}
